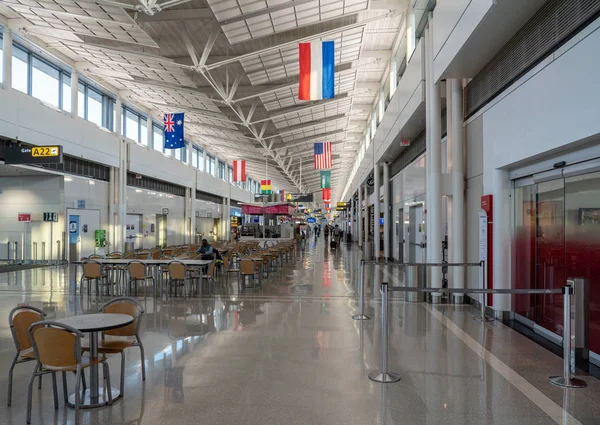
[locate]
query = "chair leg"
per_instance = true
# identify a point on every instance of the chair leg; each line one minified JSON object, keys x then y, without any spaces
{"x":77,"y":393}
{"x":122,"y":386}
{"x":10,"y":377}
{"x":30,"y":391}
{"x":65,"y":390}
{"x":108,"y":386}
{"x":83,"y":381}
{"x":54,"y":390}
{"x":143,"y":360}
{"x":40,"y":382}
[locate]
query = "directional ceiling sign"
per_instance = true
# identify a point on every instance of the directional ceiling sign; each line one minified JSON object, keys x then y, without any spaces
{"x":33,"y":154}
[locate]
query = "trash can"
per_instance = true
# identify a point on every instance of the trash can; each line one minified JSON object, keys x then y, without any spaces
{"x":415,"y":279}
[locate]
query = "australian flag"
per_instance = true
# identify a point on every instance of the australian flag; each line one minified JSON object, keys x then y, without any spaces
{"x":174,"y":131}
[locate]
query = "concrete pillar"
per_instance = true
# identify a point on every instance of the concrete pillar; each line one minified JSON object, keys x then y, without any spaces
{"x":376,"y":211}
{"x":75,"y":93}
{"x":434,"y":209}
{"x":7,"y":58}
{"x":112,"y":231}
{"x":122,"y":206}
{"x":501,"y":242}
{"x":352,"y":222}
{"x":426,"y":36}
{"x":458,"y":185}
{"x":386,"y":211}
{"x":359,"y":216}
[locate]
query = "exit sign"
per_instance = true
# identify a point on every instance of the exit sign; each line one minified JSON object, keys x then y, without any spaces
{"x":405,"y":142}
{"x":50,"y":216}
{"x":25,"y":217}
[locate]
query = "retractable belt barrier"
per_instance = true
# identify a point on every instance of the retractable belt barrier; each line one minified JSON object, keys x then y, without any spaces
{"x":565,"y":380}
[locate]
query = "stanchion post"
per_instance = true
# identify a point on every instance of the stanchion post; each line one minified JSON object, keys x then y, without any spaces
{"x":482,"y":317}
{"x":58,"y":256}
{"x":383,"y":375}
{"x":567,"y":380}
{"x":16,"y":252}
{"x":35,"y":253}
{"x":43,"y":252}
{"x":361,"y":295}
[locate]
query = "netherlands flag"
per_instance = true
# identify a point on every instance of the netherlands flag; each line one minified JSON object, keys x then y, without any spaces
{"x":317,"y":70}
{"x":239,"y":171}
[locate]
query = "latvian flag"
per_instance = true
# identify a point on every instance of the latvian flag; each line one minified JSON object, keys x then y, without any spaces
{"x":239,"y":170}
{"x":265,"y":187}
{"x":317,"y":70}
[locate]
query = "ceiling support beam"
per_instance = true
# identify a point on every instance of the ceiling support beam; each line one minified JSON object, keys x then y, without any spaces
{"x":185,"y":35}
{"x":176,"y":15}
{"x":208,"y":47}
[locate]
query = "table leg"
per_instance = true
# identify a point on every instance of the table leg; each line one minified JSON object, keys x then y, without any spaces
{"x":94,"y":368}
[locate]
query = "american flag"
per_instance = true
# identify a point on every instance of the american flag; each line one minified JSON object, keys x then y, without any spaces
{"x":322,"y":155}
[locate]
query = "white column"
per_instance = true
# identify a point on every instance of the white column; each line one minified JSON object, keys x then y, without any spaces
{"x":75,"y":92}
{"x":228,"y":221}
{"x":501,"y":243}
{"x":434,"y":210}
{"x":352,"y":223}
{"x":359,"y":225}
{"x":7,"y":58}
{"x":112,"y":233}
{"x":376,"y":211}
{"x":426,"y":33}
{"x":386,"y":211}
{"x":118,"y":112}
{"x":122,"y":209}
{"x":458,"y":184}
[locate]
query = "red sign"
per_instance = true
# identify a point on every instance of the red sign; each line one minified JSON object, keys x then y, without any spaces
{"x":281,"y":209}
{"x":405,"y":142}
{"x":252,"y":209}
{"x":26,"y":217}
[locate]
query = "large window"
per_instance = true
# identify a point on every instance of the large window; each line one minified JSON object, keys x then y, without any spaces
{"x":211,"y":165}
{"x":201,"y":159}
{"x":66,"y":93}
{"x":44,"y":82}
{"x":221,"y":174}
{"x":194,"y":158}
{"x":94,"y":106}
{"x":1,"y":61}
{"x":229,"y":174}
{"x":81,"y":101}
{"x":132,"y":126}
{"x":20,"y":70}
{"x":157,"y":139}
{"x":143,"y":131}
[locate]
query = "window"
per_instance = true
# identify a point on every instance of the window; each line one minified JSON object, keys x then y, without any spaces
{"x":66,"y":93}
{"x":20,"y":70}
{"x":44,"y":82}
{"x":157,"y":138}
{"x":194,"y":158}
{"x":81,"y":101}
{"x":249,"y":185}
{"x":211,"y":165}
{"x":143,"y":131}
{"x":1,"y":62}
{"x":132,"y":126}
{"x":221,"y":174}
{"x":94,"y":106}
{"x":229,"y":174}
{"x":201,"y":159}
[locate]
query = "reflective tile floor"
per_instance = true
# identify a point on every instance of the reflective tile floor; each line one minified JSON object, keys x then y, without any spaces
{"x":290,"y":353}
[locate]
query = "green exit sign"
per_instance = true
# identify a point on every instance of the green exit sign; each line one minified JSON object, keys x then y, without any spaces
{"x":50,"y":216}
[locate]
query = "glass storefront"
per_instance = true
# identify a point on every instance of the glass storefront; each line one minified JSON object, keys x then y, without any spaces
{"x":556,"y":237}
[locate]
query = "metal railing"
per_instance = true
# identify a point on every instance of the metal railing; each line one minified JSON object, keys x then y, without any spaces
{"x":361,"y":289}
{"x":565,"y":380}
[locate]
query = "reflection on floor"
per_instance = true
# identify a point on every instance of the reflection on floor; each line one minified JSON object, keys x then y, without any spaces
{"x":289,"y":353}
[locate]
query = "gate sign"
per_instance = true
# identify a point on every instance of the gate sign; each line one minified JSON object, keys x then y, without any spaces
{"x":50,"y":216}
{"x":24,"y":217}
{"x":311,"y":220}
{"x":33,"y":154}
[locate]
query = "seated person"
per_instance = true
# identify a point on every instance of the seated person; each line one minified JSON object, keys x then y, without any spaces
{"x":205,"y":248}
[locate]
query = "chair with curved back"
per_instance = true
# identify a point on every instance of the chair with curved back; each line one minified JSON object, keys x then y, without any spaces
{"x":57,"y":348}
{"x":138,"y":273}
{"x":229,"y":268}
{"x":19,"y":320}
{"x":117,"y":345}
{"x":92,"y":271}
{"x":178,"y":277}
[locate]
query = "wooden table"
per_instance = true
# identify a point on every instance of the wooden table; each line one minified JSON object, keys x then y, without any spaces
{"x":93,"y":324}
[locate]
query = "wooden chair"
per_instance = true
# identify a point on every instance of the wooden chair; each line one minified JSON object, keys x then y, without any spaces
{"x":92,"y":271}
{"x":209,"y":276}
{"x":228,"y":268}
{"x":144,"y":254}
{"x":131,"y":307}
{"x":156,"y":253}
{"x":57,"y":348}
{"x":247,"y":268}
{"x":19,"y":320}
{"x":137,"y":273}
{"x":178,"y":277}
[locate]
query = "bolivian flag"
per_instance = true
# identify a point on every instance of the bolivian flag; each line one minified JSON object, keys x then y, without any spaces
{"x":265,"y":187}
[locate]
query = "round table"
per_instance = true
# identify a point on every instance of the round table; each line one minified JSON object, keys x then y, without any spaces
{"x":93,"y":324}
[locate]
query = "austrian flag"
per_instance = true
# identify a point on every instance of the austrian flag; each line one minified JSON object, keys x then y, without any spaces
{"x":239,"y":170}
{"x":317,"y":70}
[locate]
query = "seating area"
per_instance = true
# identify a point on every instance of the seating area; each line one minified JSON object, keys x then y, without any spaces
{"x":182,"y":270}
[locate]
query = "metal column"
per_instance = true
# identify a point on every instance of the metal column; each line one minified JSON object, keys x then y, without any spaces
{"x":386,"y":211}
{"x":376,"y":212}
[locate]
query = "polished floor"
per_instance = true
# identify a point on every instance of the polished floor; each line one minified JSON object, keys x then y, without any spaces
{"x":290,"y":354}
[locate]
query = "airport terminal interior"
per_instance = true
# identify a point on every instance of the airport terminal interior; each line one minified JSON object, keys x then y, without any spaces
{"x":361,"y":212}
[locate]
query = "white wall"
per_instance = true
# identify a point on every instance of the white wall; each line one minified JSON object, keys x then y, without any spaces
{"x":35,"y":195}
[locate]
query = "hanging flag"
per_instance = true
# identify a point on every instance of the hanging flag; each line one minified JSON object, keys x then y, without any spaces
{"x":282,"y":195}
{"x":326,"y":195}
{"x":265,"y":187}
{"x":322,"y":155}
{"x":325,"y":179}
{"x":239,"y":170}
{"x":173,"y":131}
{"x":317,"y":70}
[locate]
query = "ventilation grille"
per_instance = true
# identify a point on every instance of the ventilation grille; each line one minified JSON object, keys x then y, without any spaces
{"x":209,"y":197}
{"x":155,"y":185}
{"x":546,"y":31}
